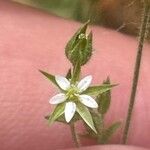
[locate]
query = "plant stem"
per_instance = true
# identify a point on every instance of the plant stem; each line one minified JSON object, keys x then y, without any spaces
{"x":74,"y":135}
{"x":76,"y":73}
{"x":101,"y":129}
{"x":142,"y":37}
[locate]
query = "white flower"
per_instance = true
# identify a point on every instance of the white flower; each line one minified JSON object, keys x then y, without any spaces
{"x":72,"y":94}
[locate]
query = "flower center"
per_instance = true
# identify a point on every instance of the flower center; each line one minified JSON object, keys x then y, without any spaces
{"x":72,"y":92}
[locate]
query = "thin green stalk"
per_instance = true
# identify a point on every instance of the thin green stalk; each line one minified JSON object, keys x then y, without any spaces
{"x":142,"y":37}
{"x":76,"y":73}
{"x":74,"y":135}
{"x":101,"y":118}
{"x":101,"y":129}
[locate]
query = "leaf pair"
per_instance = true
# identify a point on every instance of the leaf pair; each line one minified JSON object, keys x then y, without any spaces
{"x":103,"y":99}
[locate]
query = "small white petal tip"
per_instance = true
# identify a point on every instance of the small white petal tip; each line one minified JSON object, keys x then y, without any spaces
{"x":59,"y":98}
{"x":88,"y":101}
{"x":84,"y":83}
{"x":70,"y":109}
{"x":62,"y":82}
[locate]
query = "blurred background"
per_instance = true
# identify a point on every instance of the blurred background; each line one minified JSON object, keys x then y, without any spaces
{"x":121,"y":15}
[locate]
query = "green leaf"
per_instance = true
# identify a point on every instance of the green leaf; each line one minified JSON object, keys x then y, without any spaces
{"x":95,"y":90}
{"x":97,"y":123}
{"x":58,"y":111}
{"x":50,"y":77}
{"x":104,"y":99}
{"x":68,"y":76}
{"x":86,"y":116}
{"x":79,"y":48}
{"x":110,"y":131}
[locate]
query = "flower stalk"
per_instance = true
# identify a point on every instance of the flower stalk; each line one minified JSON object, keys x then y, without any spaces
{"x":74,"y":135}
{"x":142,"y":37}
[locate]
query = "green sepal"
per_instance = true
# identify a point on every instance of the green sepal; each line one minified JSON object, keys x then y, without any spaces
{"x":109,"y":132}
{"x":61,"y":119}
{"x":95,"y":90}
{"x":96,"y":121}
{"x":51,"y":78}
{"x":75,"y":118}
{"x":104,"y":99}
{"x":86,"y":116}
{"x":58,"y":111}
{"x":79,"y":48}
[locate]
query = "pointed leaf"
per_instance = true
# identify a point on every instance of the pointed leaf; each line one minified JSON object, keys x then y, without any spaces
{"x":110,"y":131}
{"x":86,"y":116}
{"x":58,"y":111}
{"x":50,"y":77}
{"x":104,"y":99}
{"x":97,"y":124}
{"x":95,"y":90}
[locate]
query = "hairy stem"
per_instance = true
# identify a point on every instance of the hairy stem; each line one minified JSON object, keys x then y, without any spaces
{"x":74,"y":135}
{"x":101,"y":129}
{"x":142,"y":36}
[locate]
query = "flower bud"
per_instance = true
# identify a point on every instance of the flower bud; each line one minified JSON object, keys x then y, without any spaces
{"x":79,"y":48}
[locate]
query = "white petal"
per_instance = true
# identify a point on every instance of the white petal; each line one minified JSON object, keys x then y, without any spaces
{"x":70,"y":109}
{"x":59,"y":98}
{"x":88,"y":101}
{"x":84,"y":83}
{"x":62,"y":82}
